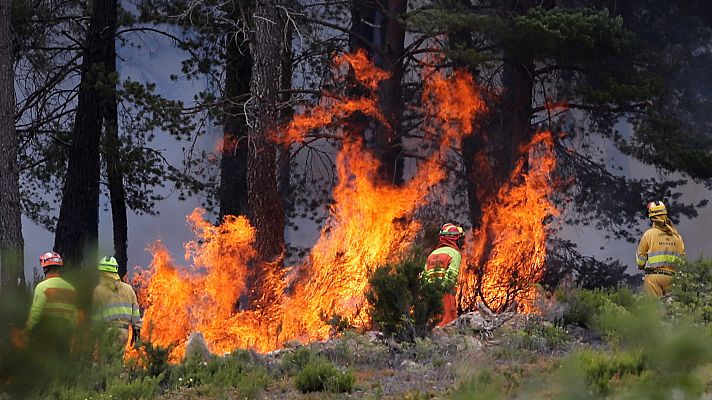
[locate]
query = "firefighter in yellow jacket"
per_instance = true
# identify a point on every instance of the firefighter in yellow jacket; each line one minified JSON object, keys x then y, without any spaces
{"x":660,"y":251}
{"x":115,"y":302}
{"x":443,"y":264}
{"x":54,"y":313}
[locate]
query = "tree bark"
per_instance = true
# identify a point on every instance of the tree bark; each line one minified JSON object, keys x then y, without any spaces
{"x":491,"y":154}
{"x":232,"y":194}
{"x":388,"y":139}
{"x":378,"y":29}
{"x":12,"y":273}
{"x":78,"y":225}
{"x":263,"y":195}
{"x":114,"y":171}
{"x":284,"y":165}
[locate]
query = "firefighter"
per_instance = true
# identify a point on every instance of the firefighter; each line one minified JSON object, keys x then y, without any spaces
{"x":443,"y":265}
{"x":115,"y":302}
{"x":660,"y":251}
{"x":54,"y":313}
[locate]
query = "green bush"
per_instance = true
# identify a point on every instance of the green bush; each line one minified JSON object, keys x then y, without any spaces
{"x":319,"y":375}
{"x":539,"y":336}
{"x":342,"y":382}
{"x":403,"y":305}
{"x":295,"y":361}
{"x":692,"y":292}
{"x":235,"y":370}
{"x":584,"y":305}
{"x":138,"y":389}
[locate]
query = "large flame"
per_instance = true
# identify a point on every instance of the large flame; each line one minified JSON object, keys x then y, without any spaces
{"x":505,"y":256}
{"x":371,"y":223}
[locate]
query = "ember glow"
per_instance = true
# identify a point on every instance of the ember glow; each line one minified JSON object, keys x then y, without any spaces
{"x":371,"y":223}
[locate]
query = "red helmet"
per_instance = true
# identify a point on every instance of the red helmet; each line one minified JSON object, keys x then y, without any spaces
{"x":451,"y":230}
{"x":50,"y":259}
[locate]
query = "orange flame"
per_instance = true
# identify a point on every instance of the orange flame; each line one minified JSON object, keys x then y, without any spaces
{"x":333,"y":108}
{"x":371,"y":223}
{"x":505,"y":256}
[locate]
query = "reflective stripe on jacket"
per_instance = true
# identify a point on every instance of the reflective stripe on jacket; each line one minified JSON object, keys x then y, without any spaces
{"x":660,"y":250}
{"x":54,"y":298}
{"x":443,"y":263}
{"x":115,"y":302}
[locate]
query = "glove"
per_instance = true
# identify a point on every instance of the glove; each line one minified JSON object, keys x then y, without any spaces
{"x":136,"y":337}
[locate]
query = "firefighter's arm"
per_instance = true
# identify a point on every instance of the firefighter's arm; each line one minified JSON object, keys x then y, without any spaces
{"x":38,"y":303}
{"x":641,"y":255}
{"x":453,"y":269}
{"x":135,"y":312}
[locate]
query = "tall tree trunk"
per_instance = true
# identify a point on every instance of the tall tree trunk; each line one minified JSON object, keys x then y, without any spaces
{"x":284,"y":165}
{"x":12,"y":273}
{"x":263,"y":196}
{"x":114,"y":171}
{"x":232,"y":194}
{"x":378,"y":29}
{"x":491,"y":154}
{"x":78,"y":225}
{"x":387,"y":141}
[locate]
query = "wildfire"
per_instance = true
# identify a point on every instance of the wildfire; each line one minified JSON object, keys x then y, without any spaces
{"x":505,"y":256}
{"x":370,"y":224}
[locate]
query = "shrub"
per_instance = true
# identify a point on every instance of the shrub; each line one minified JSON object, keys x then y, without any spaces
{"x":314,"y":375}
{"x":692,"y":292}
{"x":403,"y":305}
{"x":295,"y":362}
{"x":539,"y":336}
{"x":584,"y":305}
{"x":319,"y":375}
{"x":138,"y":389}
{"x":235,"y":370}
{"x":342,"y":382}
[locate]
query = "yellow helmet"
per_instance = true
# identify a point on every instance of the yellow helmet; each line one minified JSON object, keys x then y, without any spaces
{"x":108,"y":264}
{"x":656,"y":208}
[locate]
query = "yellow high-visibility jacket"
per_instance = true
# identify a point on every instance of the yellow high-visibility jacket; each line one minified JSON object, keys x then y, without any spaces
{"x":443,"y":263}
{"x":660,"y":250}
{"x":115,"y":302}
{"x":54,"y":299}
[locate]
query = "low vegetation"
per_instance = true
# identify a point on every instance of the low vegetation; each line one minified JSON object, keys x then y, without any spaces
{"x":605,"y":344}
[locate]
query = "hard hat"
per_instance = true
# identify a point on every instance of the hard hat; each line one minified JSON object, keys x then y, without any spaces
{"x":108,"y":264}
{"x":50,"y":259}
{"x":451,"y":230}
{"x":656,"y":208}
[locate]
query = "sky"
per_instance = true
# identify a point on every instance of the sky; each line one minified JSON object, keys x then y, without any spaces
{"x":157,"y":60}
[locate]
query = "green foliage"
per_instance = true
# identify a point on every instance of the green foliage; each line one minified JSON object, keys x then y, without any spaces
{"x":144,"y":388}
{"x":319,"y":374}
{"x":646,"y":356}
{"x":540,"y":335}
{"x":295,"y":362}
{"x":692,"y":292}
{"x":403,"y":305}
{"x":234,"y":371}
{"x":485,"y":385}
{"x":584,"y":305}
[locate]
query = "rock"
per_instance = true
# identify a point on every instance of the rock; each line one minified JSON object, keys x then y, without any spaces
{"x":197,"y":347}
{"x":374,"y":336}
{"x":471,"y":321}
